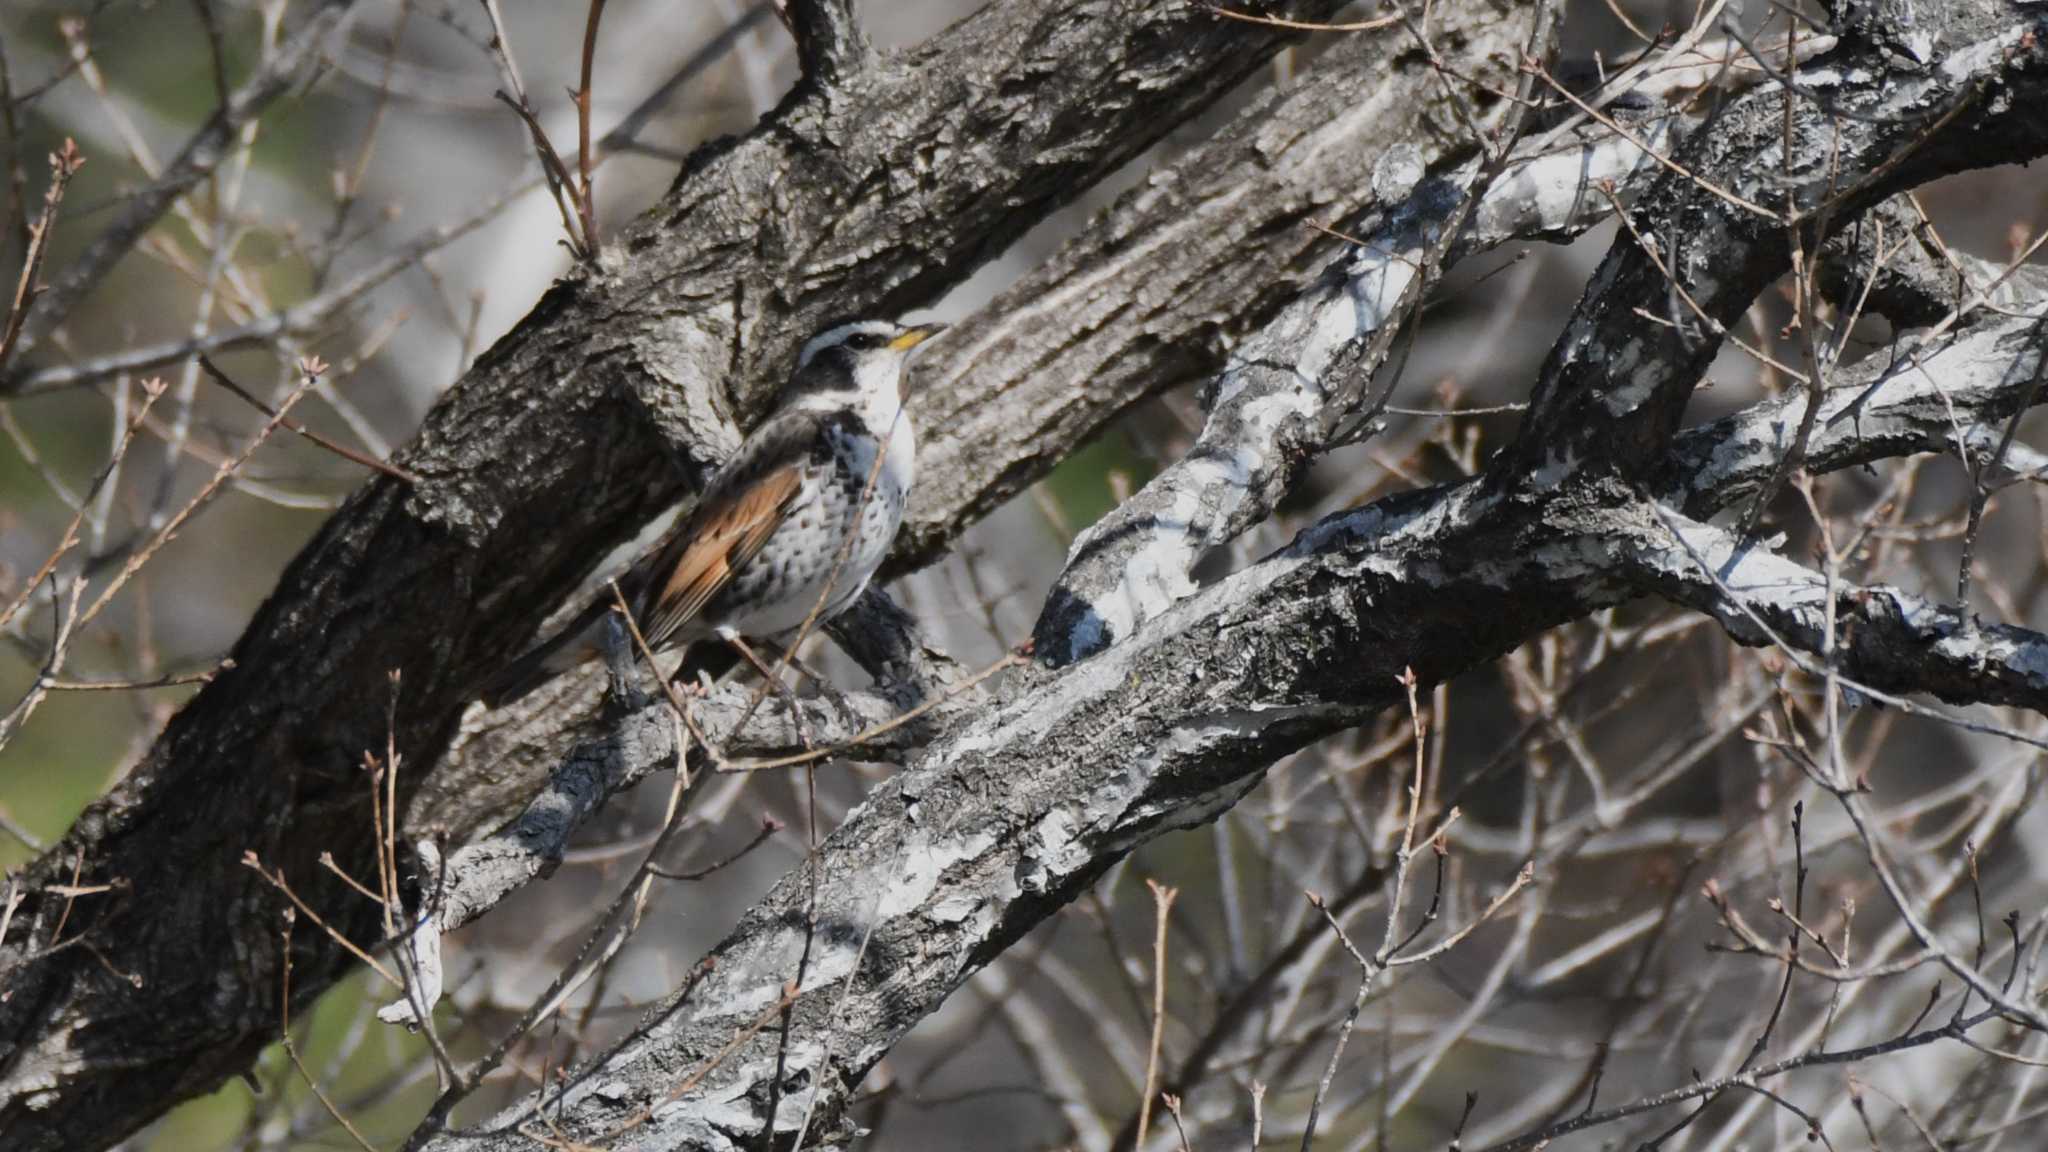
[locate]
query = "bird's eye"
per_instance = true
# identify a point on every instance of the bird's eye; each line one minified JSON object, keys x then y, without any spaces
{"x":863,"y":341}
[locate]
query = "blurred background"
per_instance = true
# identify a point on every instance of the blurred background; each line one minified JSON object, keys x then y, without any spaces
{"x":398,"y":196}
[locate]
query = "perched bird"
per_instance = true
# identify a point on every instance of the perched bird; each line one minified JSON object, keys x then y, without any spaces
{"x":768,"y":543}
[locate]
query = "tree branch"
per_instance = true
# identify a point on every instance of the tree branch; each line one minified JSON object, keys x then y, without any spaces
{"x":289,"y":65}
{"x":1003,"y":820}
{"x":829,"y":40}
{"x":1147,"y":295}
{"x":575,"y":428}
{"x":1884,"y":638}
{"x":1614,"y":388}
{"x":1288,"y":388}
{"x":1882,"y":407}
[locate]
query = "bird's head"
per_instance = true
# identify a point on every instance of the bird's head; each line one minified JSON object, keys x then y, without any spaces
{"x":863,"y":361}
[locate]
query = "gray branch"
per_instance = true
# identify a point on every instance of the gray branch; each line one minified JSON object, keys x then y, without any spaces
{"x":1002,"y":820}
{"x":1941,"y":399}
{"x":1149,"y":295}
{"x":1276,"y":405}
{"x":871,"y":195}
{"x":630,"y":747}
{"x":1615,"y":386}
{"x":1884,"y":638}
{"x":829,"y":40}
{"x":1288,"y":387}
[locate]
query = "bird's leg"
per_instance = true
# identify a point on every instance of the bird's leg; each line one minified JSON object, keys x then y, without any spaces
{"x":770,"y":682}
{"x":809,"y":673}
{"x":747,"y":653}
{"x":827,"y":692}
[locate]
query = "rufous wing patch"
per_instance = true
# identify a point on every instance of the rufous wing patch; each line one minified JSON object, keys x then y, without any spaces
{"x":715,"y":543}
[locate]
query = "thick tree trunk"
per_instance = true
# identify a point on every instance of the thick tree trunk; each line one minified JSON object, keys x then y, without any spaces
{"x":879,"y":181}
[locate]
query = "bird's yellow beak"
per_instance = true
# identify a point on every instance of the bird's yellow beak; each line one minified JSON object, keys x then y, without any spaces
{"x":911,"y":338}
{"x":915,"y":336}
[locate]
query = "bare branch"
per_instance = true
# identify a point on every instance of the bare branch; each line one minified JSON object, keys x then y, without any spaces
{"x":1885,"y":638}
{"x":1882,"y":407}
{"x":829,"y":42}
{"x":290,"y":65}
{"x":1288,"y":389}
{"x":1615,"y":388}
{"x":530,"y":471}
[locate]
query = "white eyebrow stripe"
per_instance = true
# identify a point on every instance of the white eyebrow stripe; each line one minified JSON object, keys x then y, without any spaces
{"x":835,"y":336}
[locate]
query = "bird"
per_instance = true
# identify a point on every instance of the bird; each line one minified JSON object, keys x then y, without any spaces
{"x":791,"y":528}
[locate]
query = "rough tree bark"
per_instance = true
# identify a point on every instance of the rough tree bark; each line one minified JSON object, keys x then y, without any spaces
{"x":879,"y":181}
{"x":868,"y":190}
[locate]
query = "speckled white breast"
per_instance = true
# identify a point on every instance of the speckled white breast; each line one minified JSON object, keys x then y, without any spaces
{"x":796,"y":568}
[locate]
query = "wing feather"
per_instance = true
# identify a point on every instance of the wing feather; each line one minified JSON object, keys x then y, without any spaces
{"x":718,"y":540}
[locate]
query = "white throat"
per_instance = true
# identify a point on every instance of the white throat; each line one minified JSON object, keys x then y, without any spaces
{"x":880,"y":382}
{"x":881,"y":410}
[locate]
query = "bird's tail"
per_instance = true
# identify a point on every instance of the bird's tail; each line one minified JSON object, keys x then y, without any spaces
{"x":574,"y":645}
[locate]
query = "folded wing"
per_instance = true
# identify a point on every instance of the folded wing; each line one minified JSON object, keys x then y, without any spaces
{"x":720,"y":537}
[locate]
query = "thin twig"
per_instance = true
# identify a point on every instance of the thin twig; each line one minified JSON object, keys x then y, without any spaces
{"x":586,"y":197}
{"x":276,"y":880}
{"x":1372,"y":25}
{"x":560,"y":182}
{"x":64,"y":164}
{"x":1614,"y":126}
{"x":310,"y":373}
{"x":291,"y":1049}
{"x":1162,"y":904}
{"x":876,"y":731}
{"x":152,"y":391}
{"x":342,"y":450}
